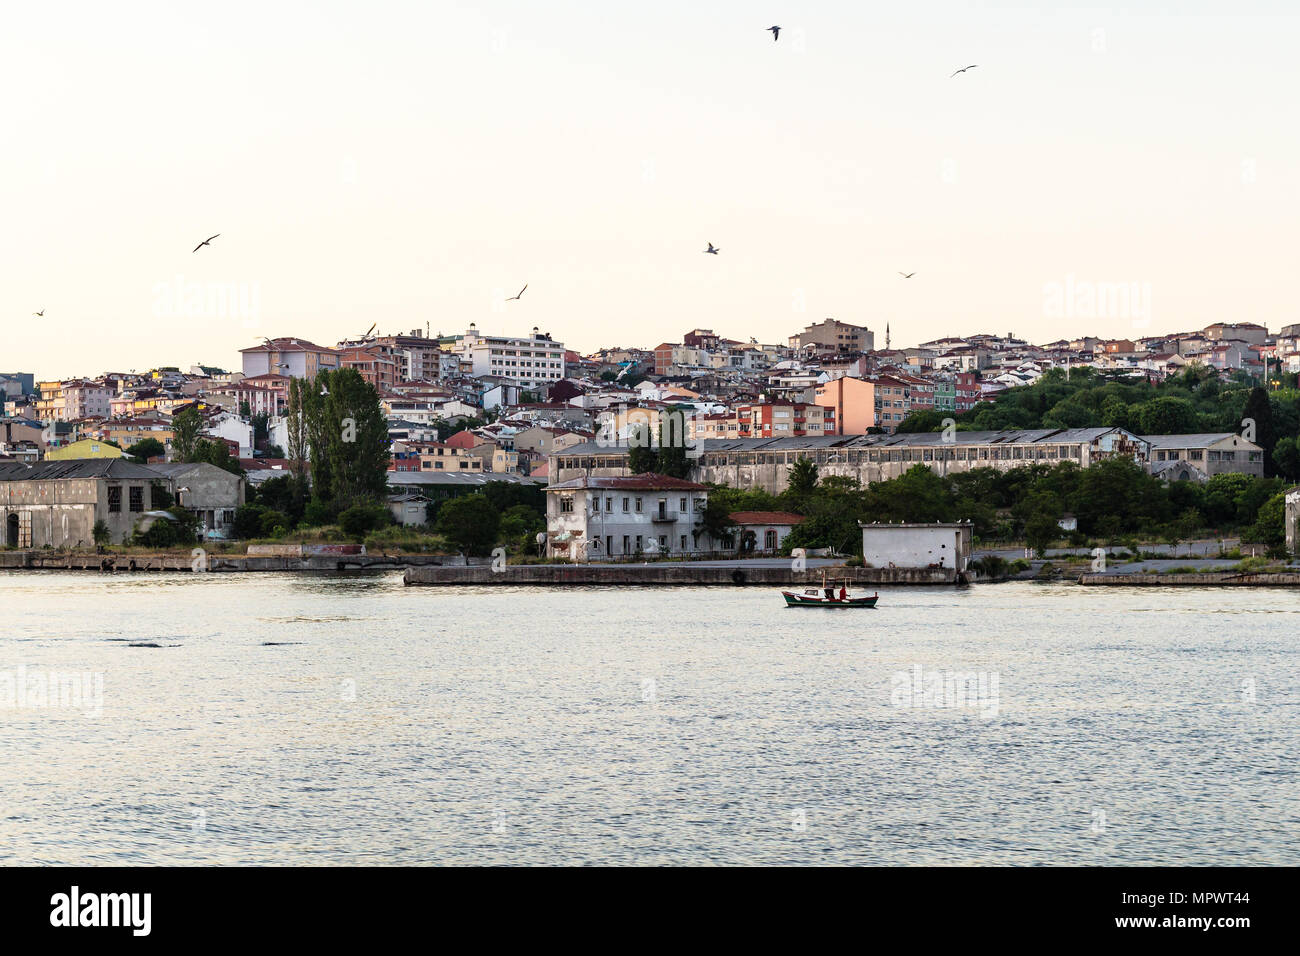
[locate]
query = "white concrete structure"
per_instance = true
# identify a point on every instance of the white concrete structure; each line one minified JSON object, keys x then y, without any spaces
{"x":595,"y":519}
{"x":916,"y":545}
{"x":1292,"y":520}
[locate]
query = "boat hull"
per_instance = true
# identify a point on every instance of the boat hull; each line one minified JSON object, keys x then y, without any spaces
{"x":795,"y":599}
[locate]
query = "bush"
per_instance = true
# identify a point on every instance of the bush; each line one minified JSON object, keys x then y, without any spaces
{"x":356,"y":521}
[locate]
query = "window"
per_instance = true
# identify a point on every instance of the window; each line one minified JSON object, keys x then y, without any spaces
{"x":609,"y":504}
{"x":638,"y":542}
{"x":683,"y":542}
{"x":625,"y":501}
{"x":137,"y":499}
{"x":566,"y":504}
{"x":114,"y":499}
{"x":638,"y":506}
{"x":683,"y":505}
{"x":626,"y":543}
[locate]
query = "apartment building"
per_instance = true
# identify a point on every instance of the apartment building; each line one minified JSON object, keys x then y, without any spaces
{"x":594,"y":519}
{"x":535,"y":360}
{"x":294,"y":357}
{"x":831,"y":335}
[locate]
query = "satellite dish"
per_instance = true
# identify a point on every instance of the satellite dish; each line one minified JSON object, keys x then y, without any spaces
{"x":541,"y":537}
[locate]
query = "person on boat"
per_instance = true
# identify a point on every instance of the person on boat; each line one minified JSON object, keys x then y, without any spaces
{"x":844,"y":594}
{"x":830,"y":594}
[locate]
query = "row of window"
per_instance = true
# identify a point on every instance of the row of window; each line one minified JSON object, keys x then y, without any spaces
{"x":135,"y":499}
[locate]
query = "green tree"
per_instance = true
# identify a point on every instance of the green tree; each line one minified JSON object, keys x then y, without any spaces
{"x":802,"y":483}
{"x":185,"y":433}
{"x":145,"y":449}
{"x":349,"y":440}
{"x":1286,"y":458}
{"x":1165,"y":416}
{"x":470,"y":523}
{"x":1260,"y":411}
{"x":101,"y":534}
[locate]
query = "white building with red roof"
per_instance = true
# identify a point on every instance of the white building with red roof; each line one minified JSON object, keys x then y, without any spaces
{"x":623,"y":518}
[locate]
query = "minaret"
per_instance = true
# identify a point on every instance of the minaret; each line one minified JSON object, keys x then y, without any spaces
{"x":886,"y":336}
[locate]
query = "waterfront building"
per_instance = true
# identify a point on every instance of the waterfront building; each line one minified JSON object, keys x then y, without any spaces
{"x":210,"y":492}
{"x":938,"y":545}
{"x":759,"y":532}
{"x":55,"y":504}
{"x":765,"y":463}
{"x":597,"y":518}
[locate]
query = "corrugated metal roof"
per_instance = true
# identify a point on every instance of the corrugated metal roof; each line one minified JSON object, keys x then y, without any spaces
{"x":79,"y":468}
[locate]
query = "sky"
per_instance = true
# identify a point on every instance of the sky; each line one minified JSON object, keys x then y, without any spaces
{"x":413,"y":164}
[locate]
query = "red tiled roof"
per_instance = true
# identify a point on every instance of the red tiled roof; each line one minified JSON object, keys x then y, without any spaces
{"x":646,"y":481}
{"x":765,"y":517}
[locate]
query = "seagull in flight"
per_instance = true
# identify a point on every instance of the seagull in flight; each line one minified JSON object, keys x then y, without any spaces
{"x":40,"y":314}
{"x":711,"y":249}
{"x":964,"y":69}
{"x":776,"y":33}
{"x":521,"y":292}
{"x":369,"y":330}
{"x":205,"y":242}
{"x":907,"y":275}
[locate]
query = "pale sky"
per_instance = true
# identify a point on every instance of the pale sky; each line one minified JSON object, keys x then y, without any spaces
{"x":412,"y":163}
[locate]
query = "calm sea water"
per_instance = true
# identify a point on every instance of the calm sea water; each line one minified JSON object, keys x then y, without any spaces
{"x":687,"y":725}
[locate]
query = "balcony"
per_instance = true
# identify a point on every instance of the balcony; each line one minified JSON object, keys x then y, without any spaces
{"x":669,"y":517}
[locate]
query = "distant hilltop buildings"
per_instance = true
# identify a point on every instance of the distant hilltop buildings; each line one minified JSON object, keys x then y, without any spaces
{"x":480,"y":406}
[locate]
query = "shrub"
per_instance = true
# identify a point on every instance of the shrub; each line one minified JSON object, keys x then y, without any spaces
{"x":356,"y":521}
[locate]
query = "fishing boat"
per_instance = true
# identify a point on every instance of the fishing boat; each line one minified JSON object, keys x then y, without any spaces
{"x":828,"y":596}
{"x":818,"y":597}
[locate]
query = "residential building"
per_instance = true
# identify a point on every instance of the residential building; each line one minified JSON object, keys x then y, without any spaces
{"x":294,"y":357}
{"x":535,"y":360}
{"x":595,"y":518}
{"x":831,"y":335}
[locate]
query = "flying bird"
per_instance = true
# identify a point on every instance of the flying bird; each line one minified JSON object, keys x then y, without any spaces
{"x":205,"y":242}
{"x":369,"y":330}
{"x":964,"y":69}
{"x":40,"y":314}
{"x":711,"y":249}
{"x":521,"y":292}
{"x":907,"y":275}
{"x":776,"y":33}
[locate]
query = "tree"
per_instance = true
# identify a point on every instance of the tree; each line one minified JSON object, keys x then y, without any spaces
{"x":348,"y":435}
{"x":297,"y":425}
{"x":470,"y":523}
{"x":147,"y":448}
{"x":101,"y":534}
{"x":1260,"y":411}
{"x":215,"y":452}
{"x":1165,"y":416}
{"x":185,"y":433}
{"x":362,"y":518}
{"x":803,"y":480}
{"x":1286,"y":458}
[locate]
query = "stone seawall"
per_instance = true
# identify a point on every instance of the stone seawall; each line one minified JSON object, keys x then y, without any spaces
{"x":641,"y":575}
{"x":1203,"y":579}
{"x":54,"y":561}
